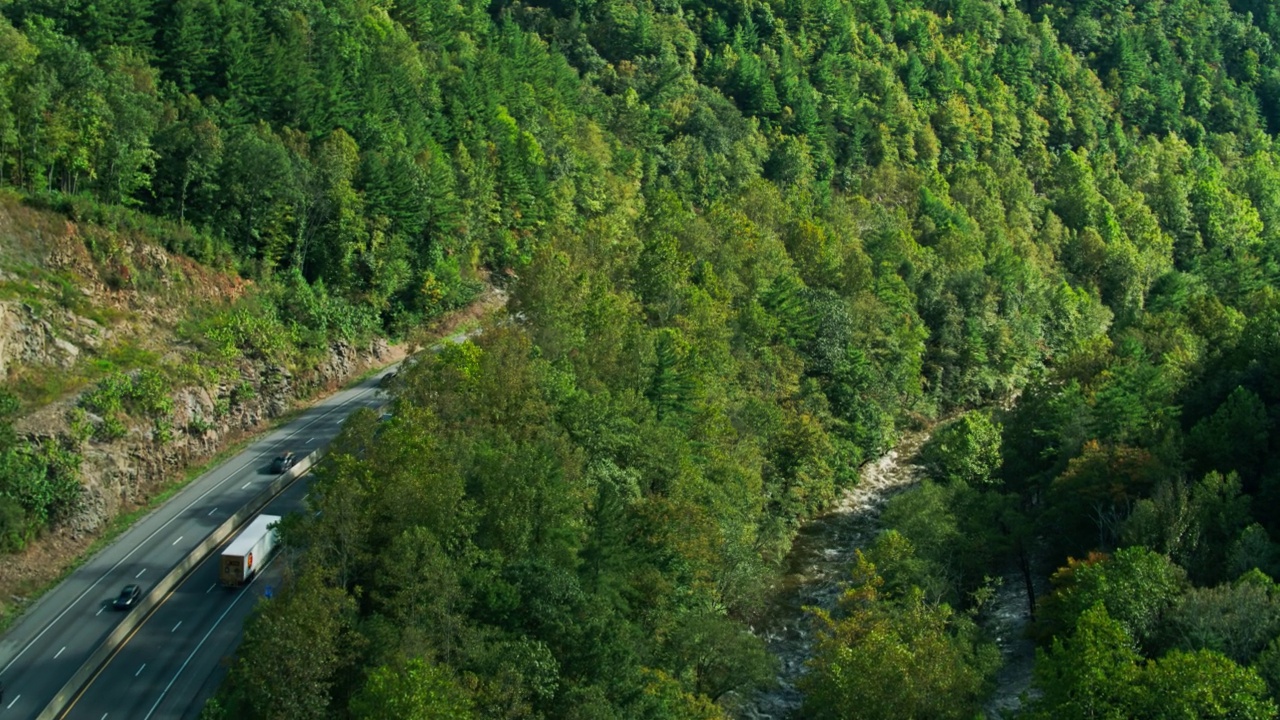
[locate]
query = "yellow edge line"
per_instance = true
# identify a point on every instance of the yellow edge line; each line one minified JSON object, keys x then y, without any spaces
{"x":85,"y":688}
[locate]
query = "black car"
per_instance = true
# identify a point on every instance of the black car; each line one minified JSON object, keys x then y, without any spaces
{"x":283,"y":462}
{"x":128,"y":597}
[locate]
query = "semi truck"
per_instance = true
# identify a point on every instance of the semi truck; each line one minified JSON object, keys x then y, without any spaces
{"x":248,"y":551}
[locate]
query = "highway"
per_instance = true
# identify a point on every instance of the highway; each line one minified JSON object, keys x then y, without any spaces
{"x":55,"y":636}
{"x":173,"y":662}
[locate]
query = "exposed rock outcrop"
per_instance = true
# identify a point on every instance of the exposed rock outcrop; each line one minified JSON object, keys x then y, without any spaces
{"x":122,"y":474}
{"x":26,"y":339}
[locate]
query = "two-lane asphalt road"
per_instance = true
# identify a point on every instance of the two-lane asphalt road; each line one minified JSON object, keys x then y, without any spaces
{"x":54,"y":638}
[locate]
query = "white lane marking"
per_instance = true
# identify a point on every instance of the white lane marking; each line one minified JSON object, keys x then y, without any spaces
{"x":211,"y":587}
{"x":251,"y":461}
{"x":175,"y":627}
{"x":135,"y":577}
{"x":304,"y":497}
{"x":200,"y":644}
{"x":175,"y":542}
{"x":310,"y":440}
{"x":246,"y":485}
{"x":212,"y":512}
{"x":64,"y":647}
{"x":140,"y":670}
{"x":104,"y":716}
{"x":15,"y":701}
{"x":99,"y":611}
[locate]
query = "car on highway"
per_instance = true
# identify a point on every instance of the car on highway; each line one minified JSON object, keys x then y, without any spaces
{"x":128,"y":597}
{"x":283,"y":462}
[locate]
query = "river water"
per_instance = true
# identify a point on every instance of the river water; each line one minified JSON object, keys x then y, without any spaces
{"x":818,"y":567}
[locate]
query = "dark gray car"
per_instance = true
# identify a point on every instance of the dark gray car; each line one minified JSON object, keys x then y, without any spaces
{"x":283,"y":462}
{"x":128,"y":597}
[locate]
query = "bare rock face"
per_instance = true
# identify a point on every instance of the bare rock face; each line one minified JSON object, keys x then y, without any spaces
{"x":192,"y":407}
{"x":122,"y":474}
{"x":88,"y":333}
{"x":114,"y":486}
{"x":29,"y":340}
{"x":342,"y":359}
{"x":94,"y":512}
{"x":277,"y":390}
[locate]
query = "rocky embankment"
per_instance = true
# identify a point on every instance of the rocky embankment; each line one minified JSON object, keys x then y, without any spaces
{"x":81,"y":302}
{"x":122,"y":475}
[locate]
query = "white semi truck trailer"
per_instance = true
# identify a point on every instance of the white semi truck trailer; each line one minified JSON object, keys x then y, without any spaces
{"x":248,"y":551}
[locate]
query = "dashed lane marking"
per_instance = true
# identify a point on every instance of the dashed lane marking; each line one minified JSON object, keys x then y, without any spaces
{"x":243,"y":593}
{"x":339,"y":401}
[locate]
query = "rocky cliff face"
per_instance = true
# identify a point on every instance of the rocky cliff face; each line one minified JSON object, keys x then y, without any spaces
{"x":123,"y":474}
{"x":81,"y":303}
{"x":29,"y":340}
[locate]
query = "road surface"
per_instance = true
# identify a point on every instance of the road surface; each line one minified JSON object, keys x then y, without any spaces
{"x":52,"y":640}
{"x":173,"y":662}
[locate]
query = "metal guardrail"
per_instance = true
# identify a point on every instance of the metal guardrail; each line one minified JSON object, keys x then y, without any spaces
{"x":130,"y":623}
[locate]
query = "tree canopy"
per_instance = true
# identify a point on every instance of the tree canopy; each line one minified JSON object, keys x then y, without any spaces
{"x":745,"y":245}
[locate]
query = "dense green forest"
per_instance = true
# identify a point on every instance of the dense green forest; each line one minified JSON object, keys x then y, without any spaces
{"x":746,"y":244}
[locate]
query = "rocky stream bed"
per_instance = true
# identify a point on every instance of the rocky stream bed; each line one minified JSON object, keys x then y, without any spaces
{"x":818,"y":567}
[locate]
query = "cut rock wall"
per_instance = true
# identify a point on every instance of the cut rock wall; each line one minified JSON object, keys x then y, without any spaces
{"x":123,"y":474}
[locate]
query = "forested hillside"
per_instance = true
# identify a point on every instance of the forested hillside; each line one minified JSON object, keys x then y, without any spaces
{"x":746,"y":244}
